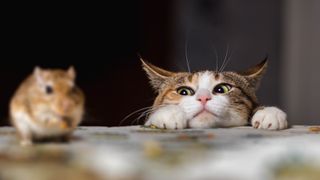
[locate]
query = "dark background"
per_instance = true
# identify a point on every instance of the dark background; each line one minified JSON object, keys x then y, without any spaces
{"x":102,"y":42}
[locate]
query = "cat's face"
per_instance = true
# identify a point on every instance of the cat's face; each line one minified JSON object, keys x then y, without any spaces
{"x":208,"y":98}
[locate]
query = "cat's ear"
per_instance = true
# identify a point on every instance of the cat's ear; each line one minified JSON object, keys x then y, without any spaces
{"x":156,"y":75}
{"x":255,"y":73}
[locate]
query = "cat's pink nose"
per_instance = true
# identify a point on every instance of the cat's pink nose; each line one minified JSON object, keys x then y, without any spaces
{"x":204,"y":99}
{"x":203,"y":95}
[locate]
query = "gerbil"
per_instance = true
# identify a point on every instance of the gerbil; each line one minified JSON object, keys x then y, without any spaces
{"x":48,"y":104}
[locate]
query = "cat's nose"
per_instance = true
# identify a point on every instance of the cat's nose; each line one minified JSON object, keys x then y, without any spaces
{"x":204,"y":99}
{"x":204,"y":96}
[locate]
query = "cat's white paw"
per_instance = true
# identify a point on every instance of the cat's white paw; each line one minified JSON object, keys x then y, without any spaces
{"x":270,"y":118}
{"x":168,"y":117}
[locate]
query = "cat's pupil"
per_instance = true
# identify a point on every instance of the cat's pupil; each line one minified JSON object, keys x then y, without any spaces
{"x":49,"y":90}
{"x":184,"y":92}
{"x":220,"y":90}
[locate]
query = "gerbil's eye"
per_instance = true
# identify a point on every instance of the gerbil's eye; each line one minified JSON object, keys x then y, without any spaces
{"x":49,"y":90}
{"x":185,"y":91}
{"x":73,"y":89}
{"x":222,"y":88}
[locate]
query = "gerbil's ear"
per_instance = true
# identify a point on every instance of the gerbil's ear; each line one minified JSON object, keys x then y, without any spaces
{"x":255,"y":73}
{"x":156,"y":75}
{"x":71,"y":72}
{"x":37,"y":72}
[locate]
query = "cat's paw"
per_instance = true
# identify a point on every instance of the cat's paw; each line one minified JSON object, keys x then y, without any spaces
{"x":168,"y":117}
{"x":270,"y":118}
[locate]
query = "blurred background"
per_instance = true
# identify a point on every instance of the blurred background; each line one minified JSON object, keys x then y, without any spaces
{"x":102,"y":42}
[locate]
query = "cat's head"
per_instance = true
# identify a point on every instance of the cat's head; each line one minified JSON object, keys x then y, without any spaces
{"x":208,"y":97}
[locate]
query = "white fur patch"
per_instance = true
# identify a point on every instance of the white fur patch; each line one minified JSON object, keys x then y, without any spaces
{"x":271,"y":118}
{"x":204,"y":120}
{"x":23,"y":127}
{"x":205,"y":81}
{"x":168,"y":117}
{"x":29,"y":129}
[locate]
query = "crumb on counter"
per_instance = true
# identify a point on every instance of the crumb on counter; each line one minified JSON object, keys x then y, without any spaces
{"x":314,"y":129}
{"x":152,"y":149}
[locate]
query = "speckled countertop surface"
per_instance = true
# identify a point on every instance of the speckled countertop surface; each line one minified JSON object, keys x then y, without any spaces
{"x":135,"y":152}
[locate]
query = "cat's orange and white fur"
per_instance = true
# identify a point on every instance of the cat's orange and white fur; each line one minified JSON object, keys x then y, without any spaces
{"x":209,"y":99}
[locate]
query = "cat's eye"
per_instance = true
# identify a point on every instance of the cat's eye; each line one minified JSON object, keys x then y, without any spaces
{"x":222,"y":88}
{"x":49,"y":89}
{"x":185,"y":91}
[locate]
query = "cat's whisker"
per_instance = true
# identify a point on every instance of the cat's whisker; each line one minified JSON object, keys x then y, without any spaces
{"x":131,"y":114}
{"x":186,"y":53}
{"x":139,"y":117}
{"x":225,"y":58}
{"x":229,"y":58}
{"x":146,"y":113}
{"x":217,"y":59}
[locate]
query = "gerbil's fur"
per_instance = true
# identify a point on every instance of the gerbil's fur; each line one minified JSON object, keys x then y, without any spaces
{"x":47,"y":105}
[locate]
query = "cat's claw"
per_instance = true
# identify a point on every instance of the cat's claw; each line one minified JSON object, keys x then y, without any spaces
{"x":270,"y":118}
{"x":168,"y":117}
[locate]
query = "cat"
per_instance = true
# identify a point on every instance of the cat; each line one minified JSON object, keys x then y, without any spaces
{"x":209,"y":99}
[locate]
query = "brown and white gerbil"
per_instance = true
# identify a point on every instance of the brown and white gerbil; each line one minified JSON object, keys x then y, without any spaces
{"x":208,"y":99}
{"x":47,"y":105}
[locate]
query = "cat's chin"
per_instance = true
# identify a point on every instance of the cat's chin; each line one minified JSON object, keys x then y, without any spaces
{"x":203,"y":119}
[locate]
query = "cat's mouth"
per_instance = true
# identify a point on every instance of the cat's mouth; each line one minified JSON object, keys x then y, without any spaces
{"x":204,"y":111}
